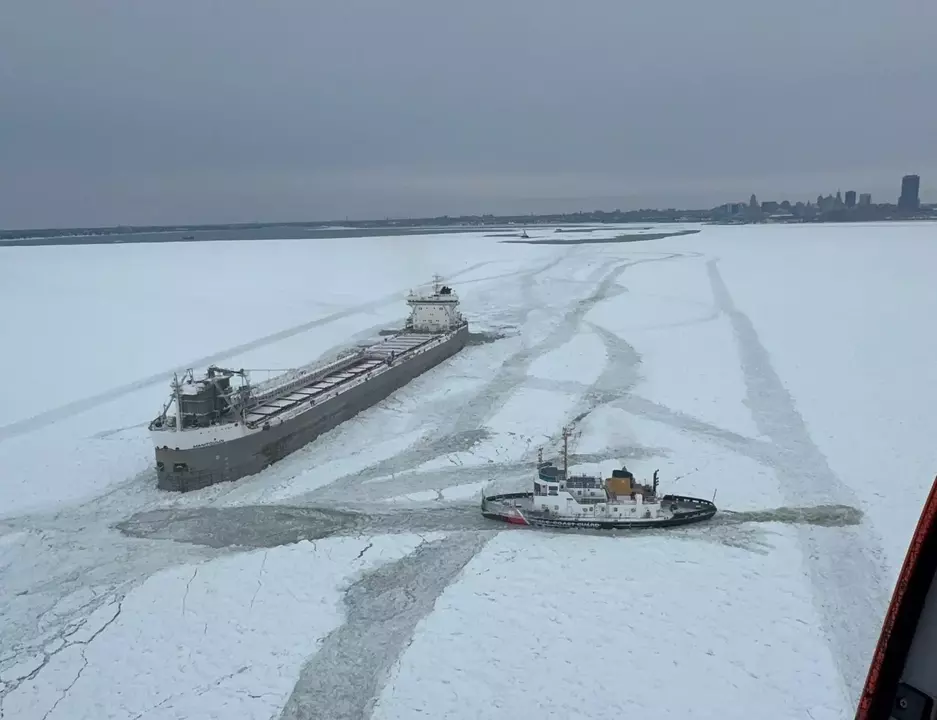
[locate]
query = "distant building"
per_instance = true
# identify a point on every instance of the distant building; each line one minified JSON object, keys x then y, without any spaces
{"x":865,"y":199}
{"x":827,"y":204}
{"x":730,"y":208}
{"x":769,"y":206}
{"x":850,"y":198}
{"x":910,"y":198}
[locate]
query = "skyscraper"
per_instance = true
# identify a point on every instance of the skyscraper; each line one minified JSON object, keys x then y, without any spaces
{"x":910,"y":192}
{"x":850,"y":198}
{"x":865,"y":199}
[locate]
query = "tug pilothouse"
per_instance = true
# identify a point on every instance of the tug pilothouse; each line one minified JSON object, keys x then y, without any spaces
{"x":561,"y":499}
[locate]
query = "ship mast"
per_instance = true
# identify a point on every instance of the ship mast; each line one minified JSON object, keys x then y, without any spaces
{"x":566,"y":433}
{"x":177,"y":393}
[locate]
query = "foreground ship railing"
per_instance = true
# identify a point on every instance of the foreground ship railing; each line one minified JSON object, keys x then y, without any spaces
{"x":899,"y":683}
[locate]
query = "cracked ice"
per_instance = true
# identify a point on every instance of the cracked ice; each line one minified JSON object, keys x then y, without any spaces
{"x":206,"y":658}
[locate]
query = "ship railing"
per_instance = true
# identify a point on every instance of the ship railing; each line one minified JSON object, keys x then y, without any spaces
{"x":301,"y":377}
{"x":460,"y":323}
{"x":687,"y":500}
{"x":379,"y":352}
{"x":310,"y":378}
{"x":505,"y":500}
{"x":312,"y":401}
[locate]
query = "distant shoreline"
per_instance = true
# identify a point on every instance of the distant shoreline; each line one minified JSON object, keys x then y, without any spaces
{"x":626,"y":238}
{"x":508,"y":226}
{"x":272,"y":232}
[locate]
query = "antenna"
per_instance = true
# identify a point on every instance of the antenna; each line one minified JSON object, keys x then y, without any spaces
{"x":566,"y":433}
{"x":177,"y":395}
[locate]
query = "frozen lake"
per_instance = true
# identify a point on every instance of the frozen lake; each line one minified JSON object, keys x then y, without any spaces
{"x":777,"y":366}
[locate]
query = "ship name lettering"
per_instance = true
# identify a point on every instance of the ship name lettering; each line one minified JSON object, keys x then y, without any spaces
{"x":206,"y":444}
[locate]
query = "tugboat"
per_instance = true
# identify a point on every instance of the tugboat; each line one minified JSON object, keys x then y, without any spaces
{"x":561,"y":500}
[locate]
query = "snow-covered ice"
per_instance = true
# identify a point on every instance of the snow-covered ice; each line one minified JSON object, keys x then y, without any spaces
{"x":775,"y":367}
{"x":206,"y":640}
{"x":661,"y":628}
{"x":469,"y":491}
{"x":580,"y":360}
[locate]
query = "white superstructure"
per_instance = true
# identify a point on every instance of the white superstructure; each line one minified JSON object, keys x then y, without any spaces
{"x":436,"y":313}
{"x":588,"y":499}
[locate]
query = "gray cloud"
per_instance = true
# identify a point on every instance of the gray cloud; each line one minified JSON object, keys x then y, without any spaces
{"x":191,"y":110}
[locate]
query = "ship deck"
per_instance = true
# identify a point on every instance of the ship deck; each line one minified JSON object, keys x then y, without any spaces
{"x":375,"y":356}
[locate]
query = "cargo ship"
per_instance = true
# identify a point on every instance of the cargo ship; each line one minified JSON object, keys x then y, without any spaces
{"x":562,"y":500}
{"x":220,"y":427}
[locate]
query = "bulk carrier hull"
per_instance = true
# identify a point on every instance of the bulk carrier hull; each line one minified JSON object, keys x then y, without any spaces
{"x":257,"y":448}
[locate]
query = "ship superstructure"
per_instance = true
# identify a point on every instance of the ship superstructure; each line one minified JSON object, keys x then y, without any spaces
{"x":221,"y":427}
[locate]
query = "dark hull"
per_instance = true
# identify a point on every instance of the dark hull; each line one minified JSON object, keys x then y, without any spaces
{"x":247,"y":455}
{"x":690,"y":510}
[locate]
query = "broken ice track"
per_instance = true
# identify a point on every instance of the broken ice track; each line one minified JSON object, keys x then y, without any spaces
{"x":266,"y":526}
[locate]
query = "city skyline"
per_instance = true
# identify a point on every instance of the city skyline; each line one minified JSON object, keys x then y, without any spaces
{"x":550,"y":206}
{"x":908,"y":198}
{"x":184,"y":112}
{"x":771,"y":210}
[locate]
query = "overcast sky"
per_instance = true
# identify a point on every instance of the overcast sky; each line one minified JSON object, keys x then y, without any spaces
{"x":164,"y":111}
